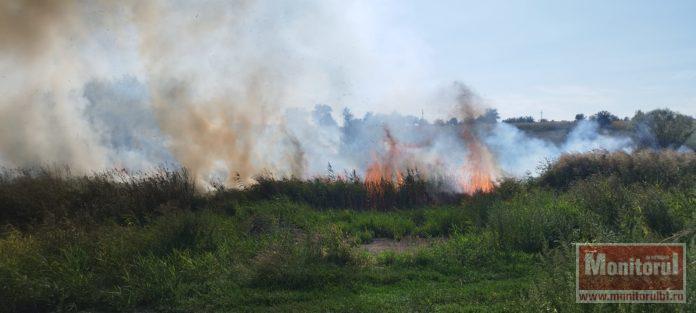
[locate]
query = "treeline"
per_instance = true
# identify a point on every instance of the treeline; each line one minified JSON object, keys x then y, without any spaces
{"x":657,"y":129}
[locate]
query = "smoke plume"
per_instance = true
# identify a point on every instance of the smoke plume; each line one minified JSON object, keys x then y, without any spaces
{"x":225,"y":89}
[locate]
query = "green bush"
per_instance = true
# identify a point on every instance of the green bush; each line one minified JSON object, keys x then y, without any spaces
{"x":662,"y":128}
{"x":443,"y":221}
{"x":664,"y":168}
{"x":636,"y":211}
{"x":530,"y":222}
{"x":296,"y":261}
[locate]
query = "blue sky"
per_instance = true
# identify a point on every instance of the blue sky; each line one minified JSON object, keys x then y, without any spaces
{"x":562,"y":57}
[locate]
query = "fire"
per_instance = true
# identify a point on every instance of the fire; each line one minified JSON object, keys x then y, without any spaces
{"x":480,"y":170}
{"x":385,"y":168}
{"x":478,"y":173}
{"x":478,"y":181}
{"x":379,"y":171}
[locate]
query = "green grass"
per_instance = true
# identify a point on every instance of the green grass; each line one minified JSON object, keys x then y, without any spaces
{"x":277,"y":255}
{"x":93,"y":244}
{"x":213,"y":261}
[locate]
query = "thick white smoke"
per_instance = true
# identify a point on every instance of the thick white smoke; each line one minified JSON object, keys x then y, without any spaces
{"x":226,"y":89}
{"x":519,"y":154}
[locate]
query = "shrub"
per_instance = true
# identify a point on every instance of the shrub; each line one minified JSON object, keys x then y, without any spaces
{"x":533,"y":221}
{"x":303,"y":262}
{"x":443,"y":221}
{"x":606,"y":197}
{"x":662,"y":128}
{"x":604,"y":118}
{"x":664,"y":168}
{"x":380,"y":225}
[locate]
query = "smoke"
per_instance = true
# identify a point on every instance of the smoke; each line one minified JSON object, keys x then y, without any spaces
{"x":119,"y":112}
{"x":225,"y":89}
{"x":480,"y":168}
{"x":44,"y":68}
{"x":216,"y":76}
{"x":586,"y":136}
{"x":26,"y":27}
{"x":519,"y":154}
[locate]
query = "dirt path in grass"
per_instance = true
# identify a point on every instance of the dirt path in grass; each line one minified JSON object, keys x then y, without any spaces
{"x":405,"y":244}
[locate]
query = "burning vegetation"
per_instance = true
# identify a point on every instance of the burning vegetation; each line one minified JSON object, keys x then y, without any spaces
{"x":385,"y":168}
{"x":479,"y":171}
{"x":476,"y":172}
{"x":180,"y":107}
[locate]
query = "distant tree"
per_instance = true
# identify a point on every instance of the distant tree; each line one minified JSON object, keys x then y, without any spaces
{"x":521,"y":119}
{"x":579,"y":117}
{"x":322,"y":115}
{"x":453,"y":121}
{"x":347,"y":116}
{"x":662,"y":128}
{"x":349,"y":129}
{"x":491,"y":116}
{"x":604,"y":118}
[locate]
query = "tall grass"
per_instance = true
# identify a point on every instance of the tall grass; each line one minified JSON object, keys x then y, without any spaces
{"x":353,"y":193}
{"x":666,"y":168}
{"x":54,"y":196}
{"x":118,"y":242}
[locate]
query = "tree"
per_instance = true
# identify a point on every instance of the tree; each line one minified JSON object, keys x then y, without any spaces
{"x":521,"y":119}
{"x":491,"y":116}
{"x":322,"y":115}
{"x":349,"y":128}
{"x":347,"y":116}
{"x":662,"y":128}
{"x":604,"y":118}
{"x":579,"y":117}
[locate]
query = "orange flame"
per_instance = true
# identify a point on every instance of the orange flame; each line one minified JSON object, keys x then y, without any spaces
{"x":478,"y":173}
{"x":480,"y":169}
{"x":385,"y":169}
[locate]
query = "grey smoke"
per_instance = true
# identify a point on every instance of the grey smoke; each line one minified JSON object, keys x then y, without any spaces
{"x":227,"y":89}
{"x":435,"y":148}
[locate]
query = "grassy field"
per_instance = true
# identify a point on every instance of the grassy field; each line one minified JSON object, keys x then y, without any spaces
{"x":117,"y":242}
